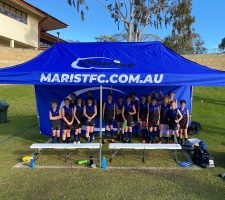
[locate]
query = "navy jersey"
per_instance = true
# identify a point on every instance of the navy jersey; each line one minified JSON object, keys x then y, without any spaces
{"x":79,"y":112}
{"x":173,"y":115}
{"x":184,"y":114}
{"x":143,"y":110}
{"x":119,"y":106}
{"x":153,"y":111}
{"x":54,"y":113}
{"x":109,"y":110}
{"x":72,"y":104}
{"x":128,"y":108}
{"x":68,"y":112}
{"x":90,"y":109}
{"x":164,"y":109}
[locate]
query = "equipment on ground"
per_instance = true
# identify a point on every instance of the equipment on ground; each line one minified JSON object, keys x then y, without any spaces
{"x":194,"y":128}
{"x":104,"y":163}
{"x":82,"y":162}
{"x":3,"y":112}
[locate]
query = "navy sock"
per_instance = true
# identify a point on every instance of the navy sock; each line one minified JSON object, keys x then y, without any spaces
{"x":130,"y":136}
{"x":172,"y":138}
{"x":119,"y":137}
{"x":178,"y":140}
{"x":106,"y":134}
{"x":112,"y":135}
{"x":151,"y":136}
{"x":91,"y":137}
{"x":63,"y":141}
{"x":75,"y":138}
{"x":126,"y":135}
{"x":58,"y":139}
{"x":167,"y":139}
{"x":67,"y":139}
{"x":53,"y":139}
{"x":78,"y":137}
{"x":186,"y":139}
{"x":122,"y":137}
{"x":86,"y":139}
{"x":136,"y":130}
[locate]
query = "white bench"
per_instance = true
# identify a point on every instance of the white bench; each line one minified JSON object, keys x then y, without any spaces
{"x":63,"y":146}
{"x":115,"y":147}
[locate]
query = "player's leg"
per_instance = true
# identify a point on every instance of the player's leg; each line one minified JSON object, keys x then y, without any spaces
{"x":177,"y":135}
{"x":106,"y":132}
{"x":91,"y":133}
{"x":79,"y":135}
{"x":87,"y":133}
{"x":118,"y":131}
{"x":53,"y":135}
{"x":186,"y":134}
{"x":167,"y":133}
{"x":68,"y":135}
{"x":58,"y":135}
{"x":111,"y":132}
{"x":76,"y":134}
{"x":181,"y":133}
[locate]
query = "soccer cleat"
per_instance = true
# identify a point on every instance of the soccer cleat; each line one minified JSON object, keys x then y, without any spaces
{"x":112,"y":141}
{"x":75,"y":142}
{"x":159,"y":142}
{"x":78,"y":142}
{"x":105,"y":141}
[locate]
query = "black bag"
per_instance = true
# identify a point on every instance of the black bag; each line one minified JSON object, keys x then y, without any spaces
{"x":202,"y":158}
{"x":195,"y":128}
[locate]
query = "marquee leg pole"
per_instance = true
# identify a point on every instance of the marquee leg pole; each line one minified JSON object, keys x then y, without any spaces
{"x":100,"y":133}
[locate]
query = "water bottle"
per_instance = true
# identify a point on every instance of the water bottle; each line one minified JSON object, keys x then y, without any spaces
{"x":104,"y":164}
{"x":82,"y":162}
{"x":32,"y":163}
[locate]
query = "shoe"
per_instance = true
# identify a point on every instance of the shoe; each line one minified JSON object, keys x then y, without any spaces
{"x":93,"y":137}
{"x":105,"y":141}
{"x":78,"y":142}
{"x":112,"y":141}
{"x":159,"y":142}
{"x":75,"y":142}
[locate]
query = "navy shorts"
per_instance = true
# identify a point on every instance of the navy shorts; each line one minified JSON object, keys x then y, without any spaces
{"x":65,"y":126}
{"x":173,"y":126}
{"x":109,"y":122}
{"x":56,"y":124}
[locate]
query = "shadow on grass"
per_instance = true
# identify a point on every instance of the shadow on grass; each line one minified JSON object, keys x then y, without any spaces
{"x":210,"y":100}
{"x":219,"y":158}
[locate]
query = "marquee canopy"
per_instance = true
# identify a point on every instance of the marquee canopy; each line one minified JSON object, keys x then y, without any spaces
{"x":134,"y":64}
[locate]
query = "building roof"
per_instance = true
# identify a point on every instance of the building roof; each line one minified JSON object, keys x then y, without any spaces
{"x":50,"y":22}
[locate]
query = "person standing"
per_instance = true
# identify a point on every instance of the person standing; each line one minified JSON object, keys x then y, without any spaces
{"x":119,"y":119}
{"x":184,"y":121}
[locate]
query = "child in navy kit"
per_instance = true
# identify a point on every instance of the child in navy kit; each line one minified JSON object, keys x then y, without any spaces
{"x":171,"y":96}
{"x":55,"y":117}
{"x":78,"y":120}
{"x":174,"y":117}
{"x":119,"y":119}
{"x":143,"y":117}
{"x":109,"y":116}
{"x":184,"y":121}
{"x":127,"y":113}
{"x":90,"y":112}
{"x":154,"y":117}
{"x":135,"y":116}
{"x":164,"y":110}
{"x":67,"y":115}
{"x":73,"y":100}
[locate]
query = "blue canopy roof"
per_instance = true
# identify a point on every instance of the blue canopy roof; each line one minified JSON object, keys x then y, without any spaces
{"x":130,"y":64}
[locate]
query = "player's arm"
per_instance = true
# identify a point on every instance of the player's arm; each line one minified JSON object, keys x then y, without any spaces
{"x":103,"y":111}
{"x":159,"y":114}
{"x":85,"y":113}
{"x":123,"y":109}
{"x":188,"y":118}
{"x":95,"y":112}
{"x":74,"y":114}
{"x":180,"y":116}
{"x":138,"y":114}
{"x":114,"y":111}
{"x":147,"y":113}
{"x":134,"y":111}
{"x":63,"y":116}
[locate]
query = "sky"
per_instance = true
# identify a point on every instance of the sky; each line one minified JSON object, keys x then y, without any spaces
{"x":210,"y":21}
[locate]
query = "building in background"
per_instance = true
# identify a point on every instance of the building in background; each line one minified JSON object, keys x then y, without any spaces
{"x":23,"y":25}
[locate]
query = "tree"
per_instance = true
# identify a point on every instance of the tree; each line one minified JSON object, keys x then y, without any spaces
{"x":222,"y":45}
{"x":136,"y":15}
{"x":121,"y":37}
{"x":183,"y":38}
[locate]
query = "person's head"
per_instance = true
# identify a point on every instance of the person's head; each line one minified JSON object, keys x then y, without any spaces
{"x":120,"y":99}
{"x":128,"y":99}
{"x":109,"y":97}
{"x":153,"y":100}
{"x":155,"y":95}
{"x":171,"y":95}
{"x":173,"y":104}
{"x":89,"y":100}
{"x":89,"y":93}
{"x":182,"y":103}
{"x":73,"y":97}
{"x":165,"y":100}
{"x":67,"y":101}
{"x":79,"y":100}
{"x":54,"y":104}
{"x":133,"y":96}
{"x":143,"y":98}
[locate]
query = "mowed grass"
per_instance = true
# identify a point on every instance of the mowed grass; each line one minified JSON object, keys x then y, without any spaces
{"x":165,"y":181}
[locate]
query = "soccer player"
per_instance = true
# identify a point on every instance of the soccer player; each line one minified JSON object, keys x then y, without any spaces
{"x":67,"y":115}
{"x":135,"y":116}
{"x":154,"y":117}
{"x":174,"y":117}
{"x":78,"y":120}
{"x":73,"y":100}
{"x":184,"y":121}
{"x":90,"y":112}
{"x":171,"y":96}
{"x":127,"y":112}
{"x":119,"y":119}
{"x":109,"y":116}
{"x":164,"y":109}
{"x":143,"y":117}
{"x":90,"y":95}
{"x":55,"y":117}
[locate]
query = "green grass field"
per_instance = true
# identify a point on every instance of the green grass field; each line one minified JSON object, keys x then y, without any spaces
{"x":165,"y":181}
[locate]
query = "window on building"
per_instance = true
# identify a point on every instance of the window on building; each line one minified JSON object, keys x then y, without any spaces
{"x":45,"y":44}
{"x":13,"y":12}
